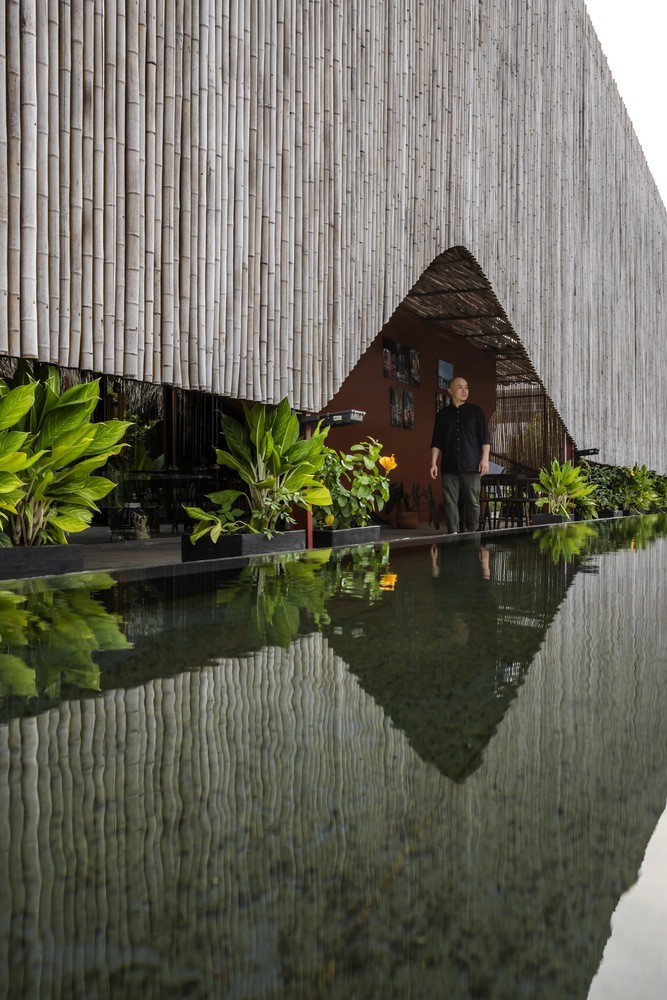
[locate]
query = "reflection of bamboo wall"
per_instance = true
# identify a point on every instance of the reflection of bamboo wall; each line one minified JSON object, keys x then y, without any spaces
{"x":237,"y":196}
{"x":258,"y":826}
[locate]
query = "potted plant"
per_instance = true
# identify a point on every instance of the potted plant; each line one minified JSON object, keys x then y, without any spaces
{"x":359,"y":486}
{"x":50,"y":452}
{"x":559,"y":489}
{"x":411,"y":502}
{"x":280,"y":470}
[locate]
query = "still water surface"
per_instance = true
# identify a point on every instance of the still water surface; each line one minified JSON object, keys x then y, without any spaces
{"x":413,"y":773}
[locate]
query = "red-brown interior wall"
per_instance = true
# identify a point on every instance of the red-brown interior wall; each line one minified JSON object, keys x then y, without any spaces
{"x":367,"y":389}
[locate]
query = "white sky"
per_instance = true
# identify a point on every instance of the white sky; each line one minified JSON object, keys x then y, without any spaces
{"x":633,"y":34}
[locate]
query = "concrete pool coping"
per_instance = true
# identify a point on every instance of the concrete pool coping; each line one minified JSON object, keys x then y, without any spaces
{"x":166,"y":551}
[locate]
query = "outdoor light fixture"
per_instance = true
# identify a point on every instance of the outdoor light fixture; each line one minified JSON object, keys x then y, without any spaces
{"x":334,"y":419}
{"x":580,"y":452}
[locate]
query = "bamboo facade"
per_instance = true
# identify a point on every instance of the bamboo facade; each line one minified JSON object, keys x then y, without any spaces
{"x":236,"y":196}
{"x":249,"y":825}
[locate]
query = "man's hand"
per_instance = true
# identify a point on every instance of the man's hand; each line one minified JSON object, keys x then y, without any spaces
{"x":434,"y":470}
{"x":484,"y":467}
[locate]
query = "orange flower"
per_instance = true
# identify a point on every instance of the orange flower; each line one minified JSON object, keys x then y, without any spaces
{"x":329,"y":519}
{"x":388,"y":462}
{"x":388,"y":581}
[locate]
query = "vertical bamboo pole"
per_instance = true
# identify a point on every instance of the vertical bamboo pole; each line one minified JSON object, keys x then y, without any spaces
{"x":42,"y":215}
{"x":133,"y":193}
{"x":150,"y":189}
{"x":120,"y":203}
{"x":109,"y":193}
{"x":76,"y":181}
{"x":168,"y":195}
{"x":53,"y":181}
{"x":100,"y":89}
{"x":65,"y":77}
{"x":14,"y":178}
{"x":87,"y":182}
{"x":4,"y":190}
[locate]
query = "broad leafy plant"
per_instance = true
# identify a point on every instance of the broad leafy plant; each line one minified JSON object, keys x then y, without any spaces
{"x":279,"y":468}
{"x":50,"y":451}
{"x":561,"y":487}
{"x":358,"y":485}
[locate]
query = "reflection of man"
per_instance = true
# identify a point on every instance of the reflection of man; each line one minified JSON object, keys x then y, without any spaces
{"x":461,"y":442}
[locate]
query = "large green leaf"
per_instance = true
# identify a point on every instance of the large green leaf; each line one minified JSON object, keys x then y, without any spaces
{"x":256,"y":421}
{"x":87,"y":393}
{"x":237,"y":438}
{"x":107,"y":435}
{"x":60,"y":421}
{"x":72,"y":519}
{"x":284,"y":426}
{"x":15,"y":405}
{"x":12,"y":441}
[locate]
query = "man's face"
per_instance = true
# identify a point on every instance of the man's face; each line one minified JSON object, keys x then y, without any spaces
{"x":458,"y":390}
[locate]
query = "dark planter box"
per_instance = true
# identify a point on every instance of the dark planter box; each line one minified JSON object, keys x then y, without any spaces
{"x":550,"y":519}
{"x":330,"y":537}
{"x":244,"y":544}
{"x":610,"y":513}
{"x":18,"y":563}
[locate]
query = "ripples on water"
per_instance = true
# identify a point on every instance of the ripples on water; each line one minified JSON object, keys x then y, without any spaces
{"x":417,"y":772}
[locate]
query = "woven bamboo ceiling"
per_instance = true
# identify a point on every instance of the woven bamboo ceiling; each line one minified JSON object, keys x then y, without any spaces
{"x":454,"y":294}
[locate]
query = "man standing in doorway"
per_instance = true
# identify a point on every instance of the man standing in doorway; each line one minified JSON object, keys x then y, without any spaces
{"x":461,"y":441}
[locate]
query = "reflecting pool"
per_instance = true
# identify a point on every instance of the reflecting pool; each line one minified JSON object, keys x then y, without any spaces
{"x":424,"y":771}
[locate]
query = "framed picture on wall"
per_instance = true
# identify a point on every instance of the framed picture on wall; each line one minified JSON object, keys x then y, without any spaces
{"x":409,"y":410}
{"x":395,"y":406}
{"x":402,"y":363}
{"x":414,"y":367}
{"x":389,"y":358}
{"x":442,"y":398}
{"x":445,"y":374}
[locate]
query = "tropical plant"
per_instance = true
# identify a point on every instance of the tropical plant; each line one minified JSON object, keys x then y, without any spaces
{"x":48,"y":443}
{"x":637,"y":489}
{"x":279,"y":468}
{"x":606,"y":479}
{"x":561,"y":487}
{"x":357,"y":482}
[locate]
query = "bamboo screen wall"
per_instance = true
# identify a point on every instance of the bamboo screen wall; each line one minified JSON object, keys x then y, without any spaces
{"x":222,"y":821}
{"x":235,"y":196}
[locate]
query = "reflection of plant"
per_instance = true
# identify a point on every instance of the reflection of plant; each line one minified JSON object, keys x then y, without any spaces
{"x":362,"y":571}
{"x":357,"y":482}
{"x":50,"y":630}
{"x":59,"y":487}
{"x":278,"y":467}
{"x":565,"y":541}
{"x":277,"y":597}
{"x":562,"y":487}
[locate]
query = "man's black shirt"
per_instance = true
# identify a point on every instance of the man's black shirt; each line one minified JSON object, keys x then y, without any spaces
{"x":459,"y":432}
